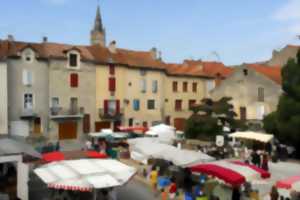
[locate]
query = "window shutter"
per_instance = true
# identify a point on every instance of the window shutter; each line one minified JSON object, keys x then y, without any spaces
{"x":117,"y":106}
{"x":105,"y":106}
{"x":111,"y":69}
{"x":74,"y":80}
{"x":112,"y":84}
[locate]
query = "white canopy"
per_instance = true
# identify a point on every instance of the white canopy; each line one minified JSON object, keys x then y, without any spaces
{"x":165,"y":133}
{"x":85,"y":174}
{"x":118,"y":135}
{"x":250,"y":135}
{"x":145,"y":148}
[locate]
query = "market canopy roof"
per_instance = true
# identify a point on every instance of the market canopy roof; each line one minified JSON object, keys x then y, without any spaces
{"x":233,"y":173}
{"x":290,"y":183}
{"x":250,"y":135}
{"x":145,"y":148}
{"x":59,"y":156}
{"x":85,"y":174}
{"x":105,"y":134}
{"x":10,"y":146}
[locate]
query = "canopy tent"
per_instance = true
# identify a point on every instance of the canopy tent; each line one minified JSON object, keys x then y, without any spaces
{"x":144,"y":148}
{"x":165,"y":133}
{"x":115,"y":135}
{"x":133,"y":128}
{"x":85,"y":174}
{"x":10,"y":146}
{"x":59,"y":156}
{"x":287,"y":185}
{"x":250,"y":135}
{"x":233,"y":173}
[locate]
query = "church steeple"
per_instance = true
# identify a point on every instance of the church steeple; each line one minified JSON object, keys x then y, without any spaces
{"x":98,"y":31}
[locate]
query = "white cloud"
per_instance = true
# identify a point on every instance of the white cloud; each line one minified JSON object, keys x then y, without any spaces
{"x":289,"y":11}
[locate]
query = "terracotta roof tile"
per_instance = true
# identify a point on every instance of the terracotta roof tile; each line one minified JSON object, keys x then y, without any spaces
{"x":272,"y":72}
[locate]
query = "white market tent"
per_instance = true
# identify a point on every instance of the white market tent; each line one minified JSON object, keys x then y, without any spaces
{"x":250,"y":135}
{"x":85,"y":174}
{"x":117,"y":135}
{"x":144,"y":148}
{"x":165,"y":133}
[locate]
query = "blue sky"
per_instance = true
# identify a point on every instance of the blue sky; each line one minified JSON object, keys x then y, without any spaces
{"x":238,"y":30}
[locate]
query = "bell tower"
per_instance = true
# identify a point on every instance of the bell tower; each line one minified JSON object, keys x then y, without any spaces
{"x":98,"y":31}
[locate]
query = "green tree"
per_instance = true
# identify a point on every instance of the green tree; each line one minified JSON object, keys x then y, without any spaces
{"x":285,"y":122}
{"x":209,"y":118}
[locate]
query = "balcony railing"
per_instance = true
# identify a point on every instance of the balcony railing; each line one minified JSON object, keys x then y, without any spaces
{"x":73,"y":112}
{"x":28,"y":113}
{"x":111,"y":114}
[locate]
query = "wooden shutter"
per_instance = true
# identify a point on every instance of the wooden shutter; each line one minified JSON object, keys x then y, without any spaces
{"x":86,"y":123}
{"x":175,"y":86}
{"x":112,"y":84}
{"x":74,"y":80}
{"x":117,"y":106}
{"x":194,"y":87}
{"x":185,"y":87}
{"x":178,"y":105}
{"x":112,"y":69}
{"x":105,"y":106}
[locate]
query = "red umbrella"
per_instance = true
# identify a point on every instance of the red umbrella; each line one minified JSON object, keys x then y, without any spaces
{"x":53,"y":156}
{"x":95,"y":154}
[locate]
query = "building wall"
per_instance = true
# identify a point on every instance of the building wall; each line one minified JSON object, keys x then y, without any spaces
{"x":244,"y":91}
{"x":59,"y":86}
{"x":3,"y":99}
{"x":39,"y":88}
{"x":170,"y":96}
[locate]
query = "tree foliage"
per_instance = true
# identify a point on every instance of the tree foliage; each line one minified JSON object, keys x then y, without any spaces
{"x":209,"y":118}
{"x":285,"y":122}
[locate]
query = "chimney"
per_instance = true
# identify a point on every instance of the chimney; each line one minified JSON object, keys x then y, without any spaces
{"x":10,"y":38}
{"x":112,"y":46}
{"x":153,"y":52}
{"x":160,"y":55}
{"x":45,"y":39}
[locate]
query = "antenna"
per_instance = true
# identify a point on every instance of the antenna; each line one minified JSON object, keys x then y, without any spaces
{"x":216,"y":54}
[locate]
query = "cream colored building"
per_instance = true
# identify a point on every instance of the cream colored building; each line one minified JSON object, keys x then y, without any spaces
{"x":3,"y":99}
{"x":255,"y":91}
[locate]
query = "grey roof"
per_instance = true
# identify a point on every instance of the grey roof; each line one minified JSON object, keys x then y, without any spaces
{"x":10,"y":147}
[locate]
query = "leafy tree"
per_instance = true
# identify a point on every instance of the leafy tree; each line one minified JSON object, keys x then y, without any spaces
{"x":209,"y":117}
{"x":285,"y":122}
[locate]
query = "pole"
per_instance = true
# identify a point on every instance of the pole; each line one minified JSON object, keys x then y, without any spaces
{"x":94,"y":194}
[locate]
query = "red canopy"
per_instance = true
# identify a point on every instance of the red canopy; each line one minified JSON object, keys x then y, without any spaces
{"x":288,"y":183}
{"x":264,"y":174}
{"x":95,"y":154}
{"x":133,"y":128}
{"x":229,"y":176}
{"x":53,"y":156}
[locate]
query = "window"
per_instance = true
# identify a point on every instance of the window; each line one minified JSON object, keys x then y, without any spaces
{"x":151,"y":104}
{"x":185,"y":87}
{"x":143,"y":86}
{"x":195,"y":87}
{"x":136,"y":104}
{"x":210,"y":85}
{"x":28,"y":101}
{"x":111,"y":107}
{"x":245,"y":71}
{"x":73,"y":60}
{"x":178,"y":105}
{"x":55,"y":102}
{"x":27,"y":77}
{"x":175,"y":86}
{"x":154,"y":86}
{"x":74,"y":80}
{"x":130,"y":122}
{"x":243,"y":113}
{"x":260,"y":113}
{"x":112,"y":69}
{"x":73,"y":105}
{"x":192,"y":103}
{"x":261,"y":94}
{"x":112,"y":84}
{"x":143,"y":72}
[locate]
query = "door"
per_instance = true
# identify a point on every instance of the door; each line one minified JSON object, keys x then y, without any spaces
{"x":116,"y":125}
{"x":67,"y":130}
{"x":37,"y":126}
{"x":179,"y":123}
{"x":101,"y":125}
{"x":243,"y":113}
{"x":73,"y":105}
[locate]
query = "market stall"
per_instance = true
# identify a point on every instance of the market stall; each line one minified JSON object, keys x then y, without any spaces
{"x":250,"y":135}
{"x":286,"y":186}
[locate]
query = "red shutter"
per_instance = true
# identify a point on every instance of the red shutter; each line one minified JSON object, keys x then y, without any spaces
{"x":105,"y":106}
{"x":117,"y":106}
{"x":74,"y":80}
{"x":111,"y":69}
{"x":112,"y":84}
